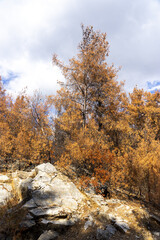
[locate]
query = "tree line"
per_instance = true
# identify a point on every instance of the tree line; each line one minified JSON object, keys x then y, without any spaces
{"x":105,"y":135}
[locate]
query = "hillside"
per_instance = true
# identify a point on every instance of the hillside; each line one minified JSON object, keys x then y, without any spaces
{"x":102,"y":141}
{"x":45,"y":204}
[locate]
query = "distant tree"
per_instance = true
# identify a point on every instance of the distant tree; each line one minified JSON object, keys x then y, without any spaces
{"x":5,"y":133}
{"x":26,"y":133}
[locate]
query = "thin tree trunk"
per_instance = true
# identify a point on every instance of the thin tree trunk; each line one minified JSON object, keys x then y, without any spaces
{"x":84,"y":107}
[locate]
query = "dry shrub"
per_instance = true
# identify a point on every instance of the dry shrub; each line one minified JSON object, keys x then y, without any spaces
{"x":11,"y":216}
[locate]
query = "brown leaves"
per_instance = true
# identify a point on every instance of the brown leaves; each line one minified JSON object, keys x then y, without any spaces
{"x":25,"y":130}
{"x":102,"y":133}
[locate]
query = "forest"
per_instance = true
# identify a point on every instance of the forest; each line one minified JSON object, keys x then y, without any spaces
{"x":104,"y":134}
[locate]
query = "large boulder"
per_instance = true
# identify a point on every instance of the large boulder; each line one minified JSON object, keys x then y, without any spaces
{"x":50,"y":188}
{"x":51,"y":196}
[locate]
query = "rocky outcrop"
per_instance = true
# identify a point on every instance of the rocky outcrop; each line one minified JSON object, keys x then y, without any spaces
{"x":52,"y":197}
{"x":52,"y":207}
{"x":5,"y":189}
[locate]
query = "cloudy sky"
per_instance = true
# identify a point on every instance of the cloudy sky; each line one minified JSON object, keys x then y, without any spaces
{"x":31,"y":31}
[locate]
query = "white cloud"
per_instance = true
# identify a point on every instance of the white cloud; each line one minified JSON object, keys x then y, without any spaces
{"x":32,"y":30}
{"x":23,"y":24}
{"x":38,"y":75}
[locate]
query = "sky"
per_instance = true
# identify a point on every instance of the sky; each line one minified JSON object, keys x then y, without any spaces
{"x":31,"y":31}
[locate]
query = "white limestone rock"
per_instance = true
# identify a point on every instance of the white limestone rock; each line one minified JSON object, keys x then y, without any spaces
{"x":157,"y":234}
{"x":5,"y":193}
{"x":50,"y":190}
{"x":60,"y":222}
{"x":40,"y":181}
{"x":45,"y":167}
{"x":88,"y":224}
{"x":54,"y":212}
{"x":4,"y":178}
{"x":122,"y":226}
{"x":48,"y":235}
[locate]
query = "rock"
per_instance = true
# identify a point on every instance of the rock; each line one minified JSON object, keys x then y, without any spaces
{"x":53,"y":198}
{"x":66,"y":189}
{"x":25,"y":187}
{"x":121,"y":226}
{"x":29,"y":217}
{"x":30,"y":204}
{"x":48,"y":235}
{"x":48,"y":192}
{"x":52,"y":201}
{"x":112,"y":200}
{"x":40,"y":181}
{"x":102,"y":234}
{"x":119,"y":223}
{"x":111,"y":230}
{"x":46,"y":198}
{"x":88,"y":224}
{"x":27,"y":223}
{"x":156,"y":218}
{"x":23,"y":174}
{"x":61,"y":222}
{"x":157,"y":234}
{"x":4,"y":178}
{"x":127,"y":207}
{"x":45,"y":167}
{"x":70,"y":203}
{"x":5,"y":193}
{"x":54,"y":212}
{"x":99,"y":199}
{"x":21,"y":186}
{"x":112,"y":217}
{"x":104,"y":209}
{"x":107,"y":233}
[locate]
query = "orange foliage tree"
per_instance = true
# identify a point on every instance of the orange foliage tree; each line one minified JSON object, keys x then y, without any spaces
{"x":5,"y":133}
{"x":137,"y":168}
{"x":89,"y":108}
{"x":26,"y":131}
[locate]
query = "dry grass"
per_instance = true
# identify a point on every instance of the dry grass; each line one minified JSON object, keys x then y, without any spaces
{"x":11,"y":214}
{"x":136,"y":215}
